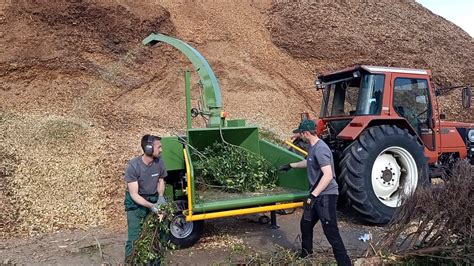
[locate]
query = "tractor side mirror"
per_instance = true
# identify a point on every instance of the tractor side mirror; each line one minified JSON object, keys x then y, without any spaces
{"x":318,"y":84}
{"x":466,"y":97}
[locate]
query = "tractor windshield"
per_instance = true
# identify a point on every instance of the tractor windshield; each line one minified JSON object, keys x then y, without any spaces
{"x":357,"y":95}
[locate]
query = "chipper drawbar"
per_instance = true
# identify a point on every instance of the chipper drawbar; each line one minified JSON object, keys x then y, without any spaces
{"x":178,"y":151}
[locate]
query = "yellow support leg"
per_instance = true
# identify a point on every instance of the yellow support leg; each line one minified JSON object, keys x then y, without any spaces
{"x":188,"y":181}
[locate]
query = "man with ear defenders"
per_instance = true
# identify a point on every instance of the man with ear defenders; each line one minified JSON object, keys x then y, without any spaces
{"x":321,"y":204}
{"x":144,"y":177}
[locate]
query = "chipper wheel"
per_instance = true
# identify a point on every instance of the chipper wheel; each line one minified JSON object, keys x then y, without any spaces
{"x":382,"y":166}
{"x":184,"y":234}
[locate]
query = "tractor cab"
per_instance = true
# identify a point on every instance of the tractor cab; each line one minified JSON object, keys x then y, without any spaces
{"x":367,"y":91}
{"x":349,"y":93}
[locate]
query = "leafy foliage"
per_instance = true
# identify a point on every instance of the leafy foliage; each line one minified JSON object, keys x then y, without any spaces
{"x":235,"y":169}
{"x":153,"y":243}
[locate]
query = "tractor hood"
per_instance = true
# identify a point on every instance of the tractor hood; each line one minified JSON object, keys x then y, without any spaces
{"x":448,"y":124}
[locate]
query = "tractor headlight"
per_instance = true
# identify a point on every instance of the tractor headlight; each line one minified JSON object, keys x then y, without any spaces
{"x":470,"y":135}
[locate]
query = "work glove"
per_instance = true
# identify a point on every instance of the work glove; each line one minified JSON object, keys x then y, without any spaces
{"x":285,"y":168}
{"x":161,"y":200}
{"x":156,"y":206}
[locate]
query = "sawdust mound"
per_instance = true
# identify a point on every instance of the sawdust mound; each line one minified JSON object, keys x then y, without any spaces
{"x":50,"y":186}
{"x":68,"y":36}
{"x":62,"y":65}
{"x":401,"y":33}
{"x":336,"y":34}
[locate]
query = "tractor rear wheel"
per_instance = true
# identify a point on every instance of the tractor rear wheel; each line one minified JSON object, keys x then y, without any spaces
{"x":384,"y":165}
{"x":343,"y":201}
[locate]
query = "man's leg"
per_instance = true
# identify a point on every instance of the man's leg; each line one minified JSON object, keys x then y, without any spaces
{"x":134,"y":220}
{"x":326,"y":209}
{"x":308,"y":220}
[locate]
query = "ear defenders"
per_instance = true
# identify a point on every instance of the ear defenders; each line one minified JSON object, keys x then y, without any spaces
{"x":148,"y":149}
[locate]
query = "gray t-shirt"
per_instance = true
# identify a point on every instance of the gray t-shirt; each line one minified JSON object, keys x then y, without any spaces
{"x":320,"y":155}
{"x":146,"y":175}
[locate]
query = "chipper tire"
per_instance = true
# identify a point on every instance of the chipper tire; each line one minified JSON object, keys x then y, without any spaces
{"x":381,"y":167}
{"x":184,"y":234}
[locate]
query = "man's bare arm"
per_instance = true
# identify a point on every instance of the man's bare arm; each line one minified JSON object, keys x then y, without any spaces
{"x":161,"y":186}
{"x":325,"y":180}
{"x":133,"y":189}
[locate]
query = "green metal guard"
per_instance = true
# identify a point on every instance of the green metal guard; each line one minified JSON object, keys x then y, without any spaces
{"x":211,"y":98}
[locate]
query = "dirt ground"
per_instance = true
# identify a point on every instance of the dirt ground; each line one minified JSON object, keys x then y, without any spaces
{"x":224,"y":241}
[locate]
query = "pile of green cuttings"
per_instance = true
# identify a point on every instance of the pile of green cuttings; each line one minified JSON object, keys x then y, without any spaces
{"x":153,"y":244}
{"x":235,"y":169}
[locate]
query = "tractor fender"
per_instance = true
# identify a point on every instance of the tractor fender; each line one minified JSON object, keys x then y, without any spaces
{"x":352,"y":131}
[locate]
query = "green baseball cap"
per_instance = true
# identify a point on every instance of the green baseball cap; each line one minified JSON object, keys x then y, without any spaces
{"x":305,"y":125}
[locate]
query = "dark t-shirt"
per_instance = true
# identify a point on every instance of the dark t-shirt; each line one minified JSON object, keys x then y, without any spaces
{"x":146,"y":175}
{"x":319,"y":156}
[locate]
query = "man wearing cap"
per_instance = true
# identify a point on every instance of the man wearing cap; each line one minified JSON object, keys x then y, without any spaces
{"x":144,"y":177}
{"x":321,"y":204}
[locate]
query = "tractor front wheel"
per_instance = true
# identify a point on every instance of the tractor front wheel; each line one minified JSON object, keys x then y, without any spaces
{"x":382,"y":167}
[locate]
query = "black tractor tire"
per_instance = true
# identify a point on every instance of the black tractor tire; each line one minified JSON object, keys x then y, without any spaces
{"x":343,"y":201}
{"x":389,"y":145}
{"x":184,"y":234}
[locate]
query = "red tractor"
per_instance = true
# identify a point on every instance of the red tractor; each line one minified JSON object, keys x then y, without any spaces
{"x":387,"y":135}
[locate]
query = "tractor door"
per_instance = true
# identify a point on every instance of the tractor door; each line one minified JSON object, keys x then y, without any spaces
{"x":411,"y":100}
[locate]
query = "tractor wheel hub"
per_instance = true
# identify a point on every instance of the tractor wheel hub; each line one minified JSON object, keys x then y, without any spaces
{"x":387,"y":175}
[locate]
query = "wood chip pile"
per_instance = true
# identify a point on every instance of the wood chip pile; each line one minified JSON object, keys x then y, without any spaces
{"x":52,"y":182}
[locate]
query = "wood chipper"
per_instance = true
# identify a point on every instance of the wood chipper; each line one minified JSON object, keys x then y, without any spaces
{"x":178,"y":151}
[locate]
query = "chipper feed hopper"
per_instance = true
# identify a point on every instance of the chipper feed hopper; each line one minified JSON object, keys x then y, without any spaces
{"x":195,"y":207}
